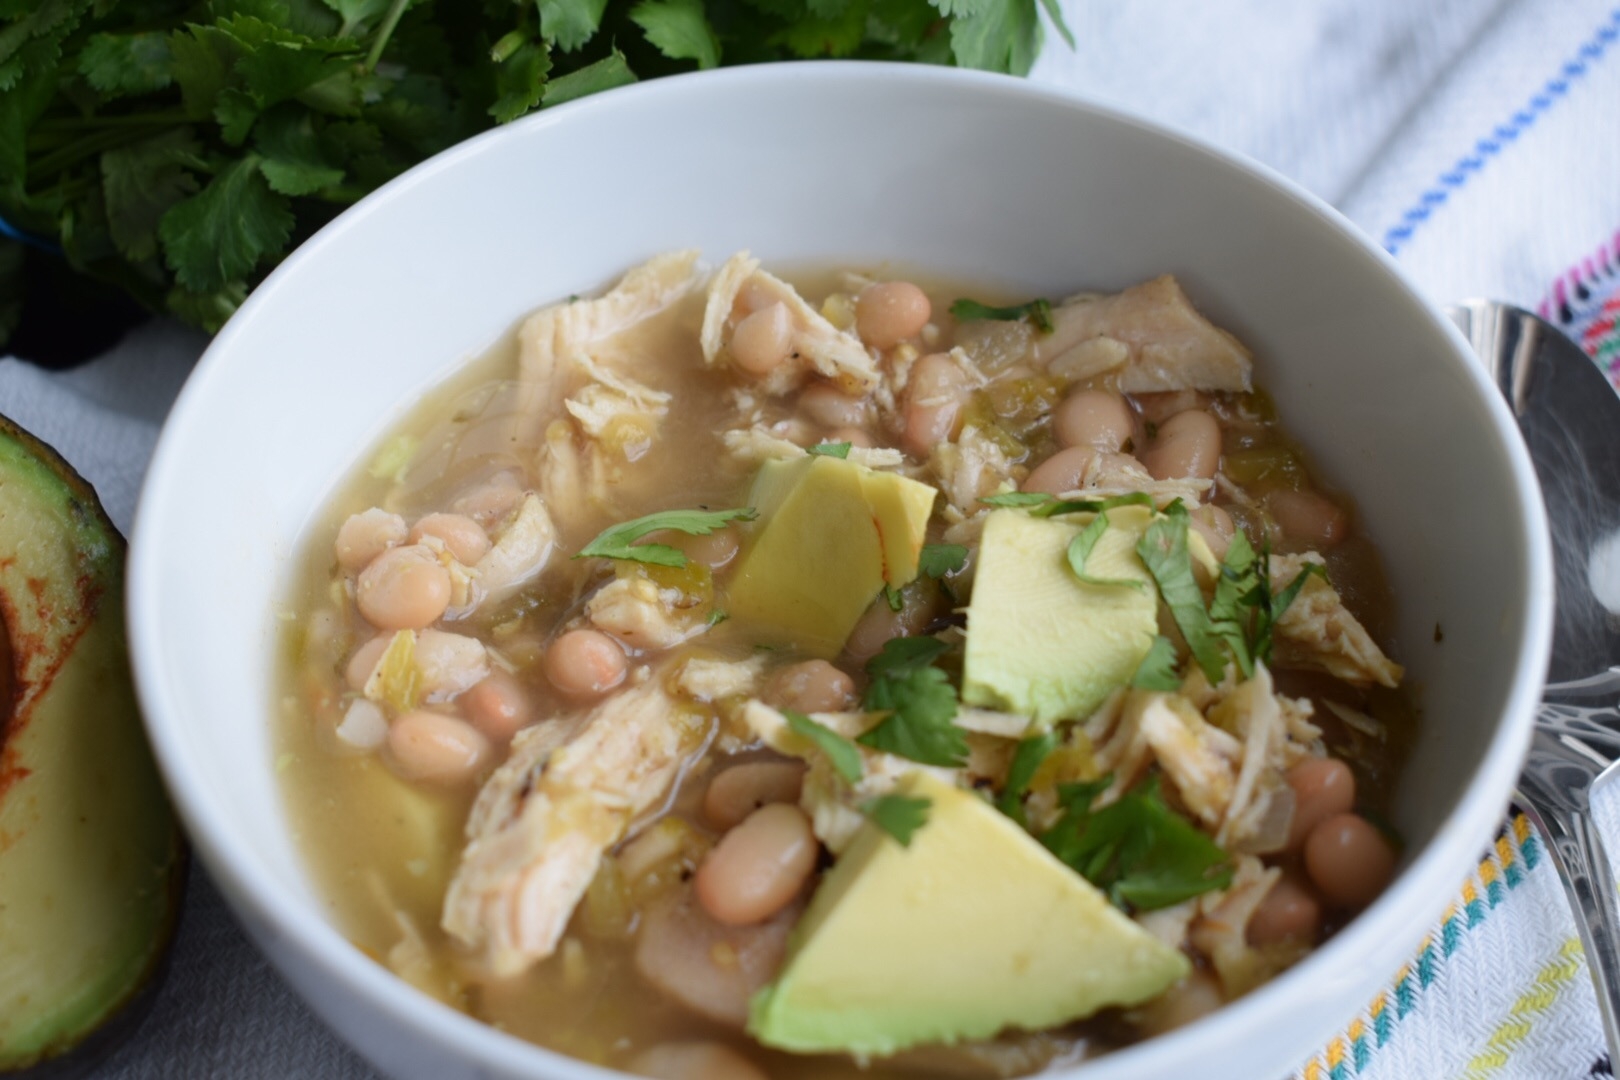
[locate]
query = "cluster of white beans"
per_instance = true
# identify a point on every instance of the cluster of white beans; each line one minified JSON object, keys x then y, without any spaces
{"x":767,"y":853}
{"x":401,"y":582}
{"x":1346,"y":861}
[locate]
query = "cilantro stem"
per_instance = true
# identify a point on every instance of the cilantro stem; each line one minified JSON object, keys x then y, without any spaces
{"x":503,"y":49}
{"x":385,"y":30}
{"x":89,"y":146}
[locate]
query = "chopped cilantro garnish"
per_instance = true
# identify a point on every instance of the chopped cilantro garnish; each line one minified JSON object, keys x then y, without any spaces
{"x":1038,"y":311}
{"x":920,"y":703}
{"x":1157,"y":671}
{"x":716,"y":617}
{"x":1091,"y":506}
{"x":893,"y":597}
{"x":1140,"y":852}
{"x":1163,"y":549}
{"x":1040,"y":504}
{"x":830,"y":449}
{"x":898,"y":815}
{"x":1281,"y":603}
{"x":1027,"y":759}
{"x":841,"y":753}
{"x":1080,"y":550}
{"x":619,"y":542}
{"x":937,"y":560}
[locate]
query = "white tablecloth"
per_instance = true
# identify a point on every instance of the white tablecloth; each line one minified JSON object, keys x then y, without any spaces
{"x":1478,"y":140}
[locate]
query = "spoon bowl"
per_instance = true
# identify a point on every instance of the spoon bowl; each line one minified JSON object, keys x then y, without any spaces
{"x":1569,"y":416}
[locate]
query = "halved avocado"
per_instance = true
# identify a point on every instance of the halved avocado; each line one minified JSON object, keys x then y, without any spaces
{"x":92,"y":860}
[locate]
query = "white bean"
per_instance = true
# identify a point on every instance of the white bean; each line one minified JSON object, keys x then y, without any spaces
{"x":366,"y":535}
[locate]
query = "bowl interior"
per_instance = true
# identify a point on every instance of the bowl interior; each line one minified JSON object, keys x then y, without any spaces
{"x":976,"y":177}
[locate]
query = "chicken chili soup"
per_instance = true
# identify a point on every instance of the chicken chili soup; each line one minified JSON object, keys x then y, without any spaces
{"x":732,"y":679}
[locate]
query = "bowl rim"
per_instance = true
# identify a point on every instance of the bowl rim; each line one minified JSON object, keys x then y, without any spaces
{"x":257,"y":896}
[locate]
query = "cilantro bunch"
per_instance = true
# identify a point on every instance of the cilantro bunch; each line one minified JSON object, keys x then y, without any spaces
{"x":180,"y":148}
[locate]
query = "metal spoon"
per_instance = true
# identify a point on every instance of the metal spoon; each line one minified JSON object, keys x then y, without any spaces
{"x":1570,"y":418}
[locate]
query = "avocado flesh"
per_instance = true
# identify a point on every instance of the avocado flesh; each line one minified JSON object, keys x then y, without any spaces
{"x":832,"y":533}
{"x":1041,"y":642}
{"x":973,"y":928}
{"x":92,"y":861}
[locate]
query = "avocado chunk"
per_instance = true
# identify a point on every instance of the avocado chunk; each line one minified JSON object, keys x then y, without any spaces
{"x":1043,"y":643}
{"x":92,"y":861}
{"x":973,"y":928}
{"x":831,"y":534}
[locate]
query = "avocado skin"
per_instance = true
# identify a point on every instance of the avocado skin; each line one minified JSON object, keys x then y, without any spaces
{"x":83,"y":815}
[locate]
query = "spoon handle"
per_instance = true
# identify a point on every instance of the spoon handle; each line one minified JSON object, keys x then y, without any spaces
{"x":1554,"y":790}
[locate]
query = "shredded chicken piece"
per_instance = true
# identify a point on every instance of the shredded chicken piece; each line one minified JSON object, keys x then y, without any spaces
{"x":710,"y":680}
{"x":1120,"y":474}
{"x":818,"y":347}
{"x":540,"y":824}
{"x":644,"y":616}
{"x":1169,"y":345}
{"x":552,"y":341}
{"x":1200,"y":759}
{"x":969,"y":468}
{"x":1251,"y":712}
{"x":830,"y":800}
{"x":1118,"y":745}
{"x":1169,"y":924}
{"x":758,"y":444}
{"x":448,"y":664}
{"x":617,"y":408}
{"x":1319,"y":633}
{"x":518,"y":556}
{"x":1220,"y":932}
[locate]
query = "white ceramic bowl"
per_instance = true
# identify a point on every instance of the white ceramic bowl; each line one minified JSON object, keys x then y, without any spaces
{"x":978,"y":176}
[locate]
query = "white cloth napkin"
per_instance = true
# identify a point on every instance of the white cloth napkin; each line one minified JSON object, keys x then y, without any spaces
{"x":1478,"y":140}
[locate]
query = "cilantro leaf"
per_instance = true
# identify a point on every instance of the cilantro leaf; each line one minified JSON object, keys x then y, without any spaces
{"x":1237,"y":590}
{"x":619,"y":542}
{"x":841,"y":753}
{"x":1281,"y":602}
{"x":830,"y":29}
{"x":604,"y":74}
{"x":1032,"y":752}
{"x":1080,"y":550}
{"x":893,"y":597}
{"x":1037,"y":311}
{"x":1055,"y":507}
{"x":1055,"y":12}
{"x":1004,"y":35}
{"x":679,"y":30}
{"x":520,"y":81}
{"x":1163,"y":549}
{"x":937,"y":560}
{"x":568,"y":24}
{"x":898,"y":815}
{"x":141,"y":182}
{"x":1018,"y":499}
{"x":830,"y":449}
{"x":920,"y":703}
{"x":118,"y":64}
{"x":220,"y":234}
{"x":900,"y":655}
{"x":1140,"y":852}
{"x":294,"y":161}
{"x":1157,"y":671}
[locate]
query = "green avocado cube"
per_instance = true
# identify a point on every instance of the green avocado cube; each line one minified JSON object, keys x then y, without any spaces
{"x":831,"y":533}
{"x":972,"y":928}
{"x":1042,"y":643}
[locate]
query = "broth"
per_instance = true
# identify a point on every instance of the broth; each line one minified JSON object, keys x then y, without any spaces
{"x":383,"y":843}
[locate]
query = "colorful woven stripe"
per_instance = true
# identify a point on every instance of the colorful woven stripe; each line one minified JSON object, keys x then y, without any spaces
{"x":1515,"y":853}
{"x":1585,"y":303}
